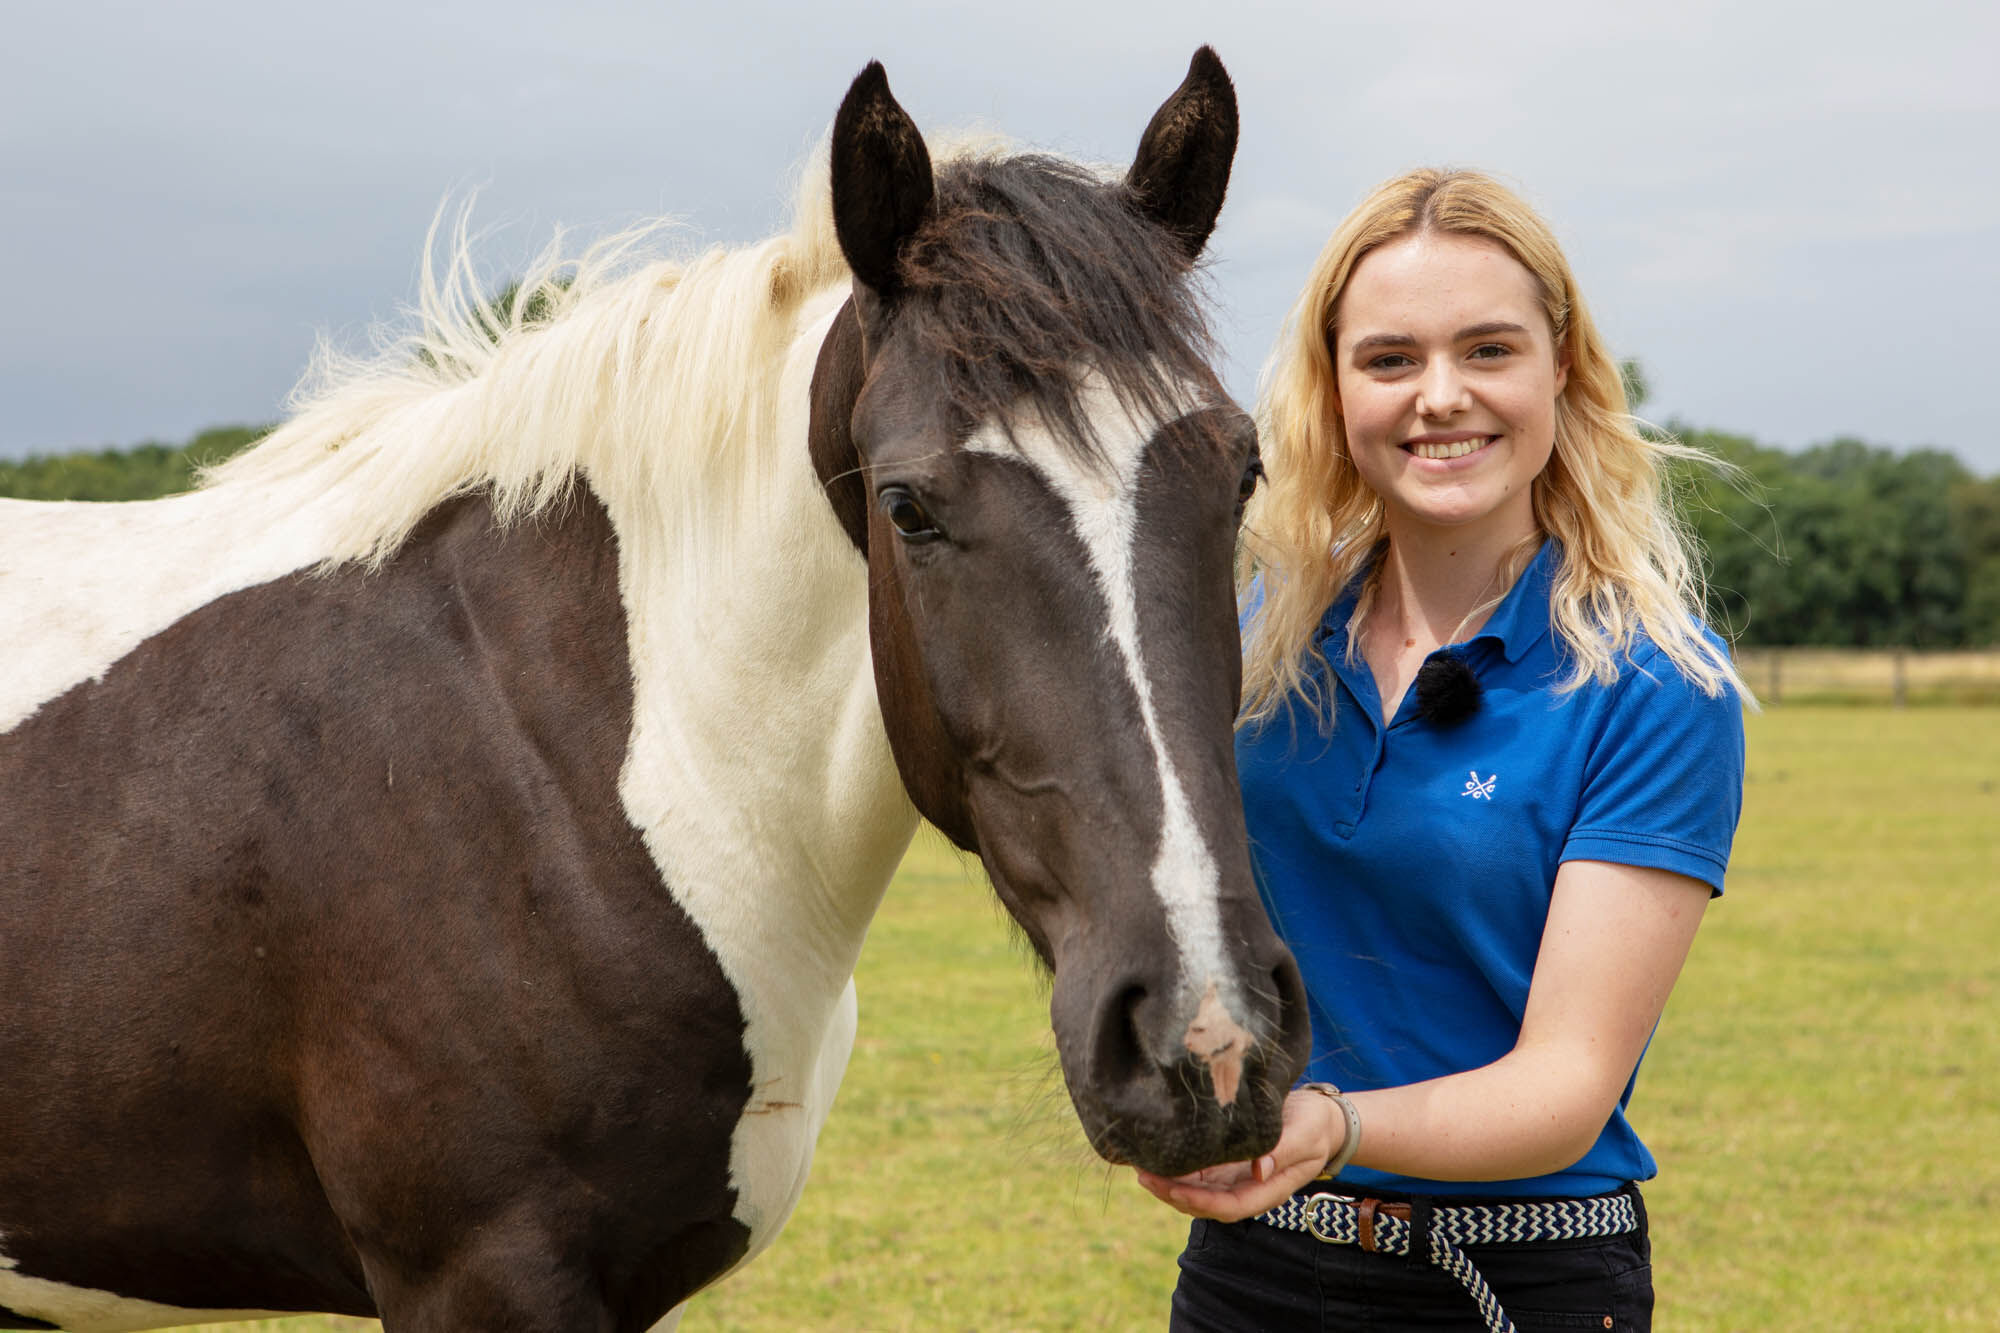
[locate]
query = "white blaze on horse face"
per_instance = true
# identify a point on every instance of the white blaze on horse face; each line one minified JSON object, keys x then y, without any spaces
{"x":1102,"y":497}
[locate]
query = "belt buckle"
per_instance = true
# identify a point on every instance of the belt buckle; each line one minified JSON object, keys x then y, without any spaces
{"x":1313,"y":1203}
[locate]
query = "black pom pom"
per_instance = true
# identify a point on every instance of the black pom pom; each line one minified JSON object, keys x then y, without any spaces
{"x":1447,"y":691}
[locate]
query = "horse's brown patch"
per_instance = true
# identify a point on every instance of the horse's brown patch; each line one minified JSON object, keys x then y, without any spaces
{"x":334,"y":965}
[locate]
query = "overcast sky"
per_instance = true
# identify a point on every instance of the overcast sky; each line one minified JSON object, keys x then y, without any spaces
{"x":1789,"y":213}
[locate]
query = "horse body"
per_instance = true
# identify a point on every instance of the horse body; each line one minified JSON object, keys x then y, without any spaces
{"x":436,"y":854}
{"x":356,"y":1006}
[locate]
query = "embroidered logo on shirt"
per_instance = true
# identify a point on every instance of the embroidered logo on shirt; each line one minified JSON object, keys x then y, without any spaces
{"x":1480,"y":789}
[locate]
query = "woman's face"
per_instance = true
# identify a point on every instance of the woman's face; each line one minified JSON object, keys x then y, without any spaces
{"x":1448,"y":377}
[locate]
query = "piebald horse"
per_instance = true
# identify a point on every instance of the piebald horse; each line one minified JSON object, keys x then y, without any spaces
{"x":434,"y":853}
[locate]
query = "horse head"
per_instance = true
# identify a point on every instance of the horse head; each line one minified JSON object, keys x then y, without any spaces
{"x":1017,"y":424}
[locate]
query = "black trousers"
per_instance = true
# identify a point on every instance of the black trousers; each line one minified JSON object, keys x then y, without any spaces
{"x":1242,"y":1276}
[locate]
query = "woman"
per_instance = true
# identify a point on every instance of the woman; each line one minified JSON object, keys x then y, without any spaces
{"x":1492,"y":764}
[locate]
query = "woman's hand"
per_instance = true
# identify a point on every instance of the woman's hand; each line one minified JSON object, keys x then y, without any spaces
{"x":1314,"y":1130}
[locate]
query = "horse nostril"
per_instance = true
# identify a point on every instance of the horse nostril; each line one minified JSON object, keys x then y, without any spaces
{"x":1118,"y":1055}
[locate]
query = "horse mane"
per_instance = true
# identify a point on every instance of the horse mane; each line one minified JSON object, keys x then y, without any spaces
{"x":651,"y":374}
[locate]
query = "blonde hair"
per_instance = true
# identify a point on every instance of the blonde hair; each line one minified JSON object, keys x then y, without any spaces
{"x":1629,"y":567}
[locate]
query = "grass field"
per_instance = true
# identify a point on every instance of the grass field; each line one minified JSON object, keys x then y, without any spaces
{"x":1823,"y":1095}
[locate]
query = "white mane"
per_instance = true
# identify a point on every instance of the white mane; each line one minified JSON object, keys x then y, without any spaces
{"x":643,"y":372}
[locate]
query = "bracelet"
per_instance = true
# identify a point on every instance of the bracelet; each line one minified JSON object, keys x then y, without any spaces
{"x":1338,"y":1162}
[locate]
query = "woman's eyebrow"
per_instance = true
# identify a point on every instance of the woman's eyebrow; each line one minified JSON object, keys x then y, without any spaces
{"x":1375,"y":340}
{"x":1488,"y":329}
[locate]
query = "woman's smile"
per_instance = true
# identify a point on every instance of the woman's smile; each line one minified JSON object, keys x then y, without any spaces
{"x":1449,"y":446}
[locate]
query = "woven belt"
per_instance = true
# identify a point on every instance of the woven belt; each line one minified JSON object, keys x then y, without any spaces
{"x":1387,"y":1227}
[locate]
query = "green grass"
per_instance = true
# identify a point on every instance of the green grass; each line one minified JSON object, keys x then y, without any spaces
{"x":1823,"y":1095}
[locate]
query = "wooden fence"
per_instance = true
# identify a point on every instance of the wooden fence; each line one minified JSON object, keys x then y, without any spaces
{"x":1899,"y":677}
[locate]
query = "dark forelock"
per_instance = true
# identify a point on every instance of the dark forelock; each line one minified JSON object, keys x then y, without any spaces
{"x":1032,"y":267}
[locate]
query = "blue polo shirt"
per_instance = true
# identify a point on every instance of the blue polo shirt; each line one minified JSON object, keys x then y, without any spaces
{"x":1410,"y":867}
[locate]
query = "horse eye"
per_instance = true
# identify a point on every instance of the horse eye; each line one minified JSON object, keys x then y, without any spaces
{"x":1252,"y":474}
{"x":911,"y":520}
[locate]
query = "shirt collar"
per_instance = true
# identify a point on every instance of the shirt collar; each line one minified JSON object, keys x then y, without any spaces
{"x":1522,"y":618}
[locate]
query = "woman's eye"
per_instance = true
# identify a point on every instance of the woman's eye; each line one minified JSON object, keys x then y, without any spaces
{"x":1492,"y":351}
{"x":910,"y":519}
{"x":1390,"y":361}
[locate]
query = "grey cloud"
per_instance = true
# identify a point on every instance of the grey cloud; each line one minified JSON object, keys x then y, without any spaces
{"x":1783,"y":209}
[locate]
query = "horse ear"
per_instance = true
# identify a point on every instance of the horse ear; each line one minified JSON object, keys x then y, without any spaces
{"x":1181,"y":171}
{"x":882,"y":188}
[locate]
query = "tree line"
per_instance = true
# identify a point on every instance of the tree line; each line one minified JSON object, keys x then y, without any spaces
{"x":144,"y":472}
{"x":1844,"y":544}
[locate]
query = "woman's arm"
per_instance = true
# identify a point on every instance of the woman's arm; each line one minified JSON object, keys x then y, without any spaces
{"x":1614,"y":943}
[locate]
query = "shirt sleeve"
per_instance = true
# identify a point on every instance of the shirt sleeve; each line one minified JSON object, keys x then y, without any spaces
{"x":1663,"y":788}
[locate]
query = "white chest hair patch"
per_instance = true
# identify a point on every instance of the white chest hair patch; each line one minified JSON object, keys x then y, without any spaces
{"x":1102,"y":497}
{"x":760,"y":775}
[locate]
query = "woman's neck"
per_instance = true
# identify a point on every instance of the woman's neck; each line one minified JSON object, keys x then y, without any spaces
{"x":1430,"y":583}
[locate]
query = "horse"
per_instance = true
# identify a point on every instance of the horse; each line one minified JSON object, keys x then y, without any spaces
{"x":435,"y":850}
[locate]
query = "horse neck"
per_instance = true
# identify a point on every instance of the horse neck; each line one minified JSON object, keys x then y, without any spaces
{"x":758,"y":768}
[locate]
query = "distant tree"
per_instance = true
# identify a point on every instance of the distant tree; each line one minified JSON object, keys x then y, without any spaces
{"x":144,"y":472}
{"x":1902,"y":556}
{"x":1844,"y":544}
{"x":1750,"y":599}
{"x":1975,"y":513}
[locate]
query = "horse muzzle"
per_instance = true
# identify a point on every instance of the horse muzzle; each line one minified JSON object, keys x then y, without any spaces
{"x":1171,"y":1077}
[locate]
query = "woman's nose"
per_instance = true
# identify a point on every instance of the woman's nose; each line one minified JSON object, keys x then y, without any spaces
{"x":1441,"y":391}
